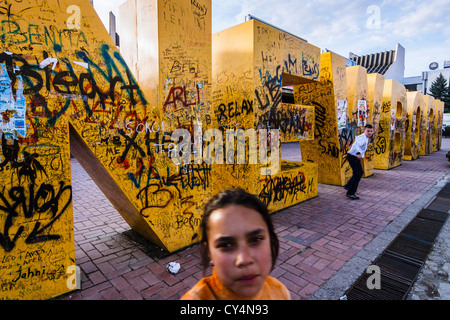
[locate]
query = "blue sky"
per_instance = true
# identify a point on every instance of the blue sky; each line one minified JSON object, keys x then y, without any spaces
{"x":343,"y":26}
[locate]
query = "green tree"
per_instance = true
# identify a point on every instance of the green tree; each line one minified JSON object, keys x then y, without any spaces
{"x":440,"y":90}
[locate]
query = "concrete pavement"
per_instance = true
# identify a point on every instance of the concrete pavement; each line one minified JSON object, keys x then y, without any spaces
{"x":433,"y":282}
{"x":326,"y":243}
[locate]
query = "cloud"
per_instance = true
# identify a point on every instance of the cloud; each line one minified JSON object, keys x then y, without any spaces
{"x":341,"y":25}
{"x":418,"y":21}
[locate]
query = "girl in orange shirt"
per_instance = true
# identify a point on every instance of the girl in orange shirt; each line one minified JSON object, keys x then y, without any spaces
{"x":240,"y":241}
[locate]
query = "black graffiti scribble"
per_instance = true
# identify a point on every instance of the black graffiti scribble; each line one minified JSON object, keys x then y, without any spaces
{"x":273,"y":89}
{"x":288,"y":121}
{"x":233,"y":109}
{"x":131,"y":142}
{"x":10,"y":151}
{"x":149,"y":197}
{"x":68,"y":83}
{"x":280,"y":188}
{"x":32,"y":205}
{"x":380,"y":145}
{"x":29,"y":167}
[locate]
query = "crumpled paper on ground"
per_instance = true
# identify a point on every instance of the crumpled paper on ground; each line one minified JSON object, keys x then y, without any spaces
{"x":173,"y":267}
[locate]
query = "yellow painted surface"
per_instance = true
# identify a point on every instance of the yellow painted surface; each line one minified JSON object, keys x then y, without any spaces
{"x":251,"y":63}
{"x":296,"y":122}
{"x":334,"y":130}
{"x":36,"y":217}
{"x":358,"y":101}
{"x":280,"y":59}
{"x":375,"y":86}
{"x":173,"y":64}
{"x":430,"y":105}
{"x":233,"y":102}
{"x":391,"y":131}
{"x":168,"y":45}
{"x":296,"y":182}
{"x":357,"y":89}
{"x":414,"y":130}
{"x":425,"y":127}
{"x":436,"y":124}
{"x":439,"y":125}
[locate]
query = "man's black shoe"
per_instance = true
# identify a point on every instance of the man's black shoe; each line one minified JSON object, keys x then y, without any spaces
{"x":346,"y":187}
{"x":352,"y":196}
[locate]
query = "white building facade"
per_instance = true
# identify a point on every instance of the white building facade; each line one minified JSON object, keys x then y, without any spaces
{"x":423,"y":83}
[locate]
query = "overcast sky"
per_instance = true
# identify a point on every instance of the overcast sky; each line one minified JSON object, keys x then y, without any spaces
{"x":343,"y":26}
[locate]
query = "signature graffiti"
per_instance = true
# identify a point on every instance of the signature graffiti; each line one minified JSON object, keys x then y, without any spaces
{"x":277,"y":189}
{"x":35,"y":204}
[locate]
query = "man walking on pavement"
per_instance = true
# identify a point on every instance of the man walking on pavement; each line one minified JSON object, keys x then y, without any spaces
{"x":354,"y":156}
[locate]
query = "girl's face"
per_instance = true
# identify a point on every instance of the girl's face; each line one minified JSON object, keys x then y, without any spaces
{"x":239,"y":247}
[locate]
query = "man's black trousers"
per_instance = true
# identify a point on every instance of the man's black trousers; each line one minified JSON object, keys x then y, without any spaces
{"x":358,"y":172}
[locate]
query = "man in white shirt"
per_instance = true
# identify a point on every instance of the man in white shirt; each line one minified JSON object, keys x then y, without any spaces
{"x":354,"y":156}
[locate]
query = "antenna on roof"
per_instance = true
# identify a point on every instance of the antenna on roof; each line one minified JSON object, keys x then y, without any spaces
{"x":250,"y":17}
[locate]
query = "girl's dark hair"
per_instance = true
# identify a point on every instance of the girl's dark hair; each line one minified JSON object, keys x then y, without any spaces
{"x":237,"y":197}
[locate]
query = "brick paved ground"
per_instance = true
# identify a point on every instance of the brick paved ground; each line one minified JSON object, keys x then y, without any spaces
{"x":317,"y":237}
